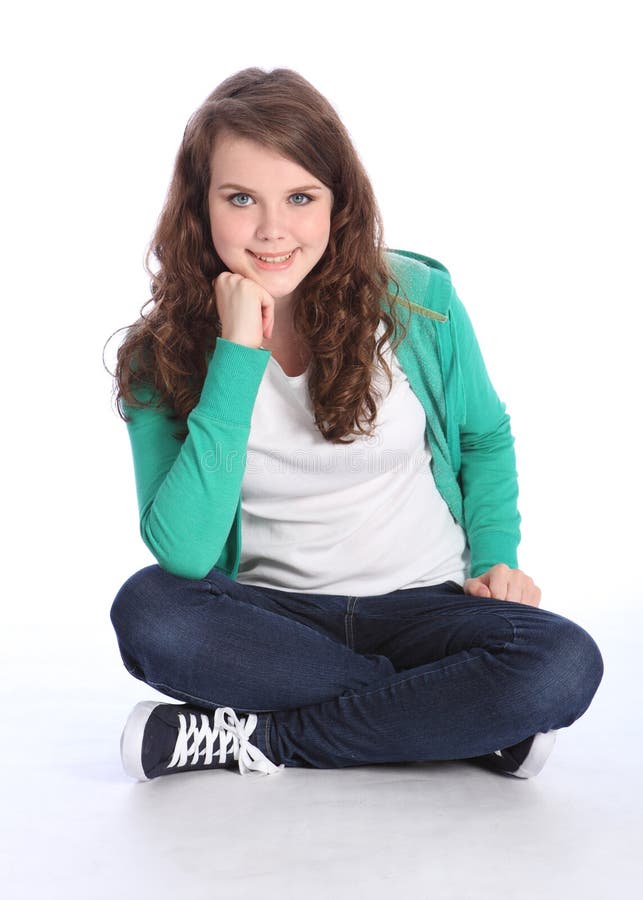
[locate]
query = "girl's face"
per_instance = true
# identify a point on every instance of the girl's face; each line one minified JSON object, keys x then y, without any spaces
{"x":270,"y":218}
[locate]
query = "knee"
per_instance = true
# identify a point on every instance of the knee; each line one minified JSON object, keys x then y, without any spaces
{"x":138,"y":604}
{"x":571,"y":670}
{"x":584,"y":665}
{"x":126,"y":603}
{"x":153,"y":604}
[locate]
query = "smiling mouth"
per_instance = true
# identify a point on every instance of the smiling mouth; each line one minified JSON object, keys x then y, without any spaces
{"x":274,"y":259}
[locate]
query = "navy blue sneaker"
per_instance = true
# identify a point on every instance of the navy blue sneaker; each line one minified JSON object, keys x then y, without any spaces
{"x":166,"y":738}
{"x":523,"y":760}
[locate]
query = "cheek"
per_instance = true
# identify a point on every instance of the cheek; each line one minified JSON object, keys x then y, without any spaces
{"x":220,"y":228}
{"x":318,"y":228}
{"x":226,"y":228}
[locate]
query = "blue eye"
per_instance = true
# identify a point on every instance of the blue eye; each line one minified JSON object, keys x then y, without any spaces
{"x":240,"y":199}
{"x":300,"y":199}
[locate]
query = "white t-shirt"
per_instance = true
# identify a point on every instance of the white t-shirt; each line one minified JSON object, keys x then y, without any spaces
{"x":354,"y":519}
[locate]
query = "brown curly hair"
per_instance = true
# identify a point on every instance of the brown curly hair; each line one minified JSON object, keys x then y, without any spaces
{"x":338,"y":307}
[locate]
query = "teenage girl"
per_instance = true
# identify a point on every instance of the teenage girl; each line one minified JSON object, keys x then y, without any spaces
{"x":325,"y":476}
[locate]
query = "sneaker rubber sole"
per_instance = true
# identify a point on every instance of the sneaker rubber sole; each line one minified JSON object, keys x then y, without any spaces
{"x":541,"y":747}
{"x":132,"y":739}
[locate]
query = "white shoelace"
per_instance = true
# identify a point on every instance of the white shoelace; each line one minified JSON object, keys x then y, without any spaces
{"x":195,"y":743}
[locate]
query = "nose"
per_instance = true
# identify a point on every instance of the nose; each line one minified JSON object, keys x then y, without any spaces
{"x":270,"y":225}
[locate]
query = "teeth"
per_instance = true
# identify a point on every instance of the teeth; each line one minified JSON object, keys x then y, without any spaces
{"x":275,"y":259}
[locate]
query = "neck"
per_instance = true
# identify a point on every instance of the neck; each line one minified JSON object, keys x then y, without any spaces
{"x":283,"y":324}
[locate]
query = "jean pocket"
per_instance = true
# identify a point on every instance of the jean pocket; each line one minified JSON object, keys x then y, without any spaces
{"x":454,"y":586}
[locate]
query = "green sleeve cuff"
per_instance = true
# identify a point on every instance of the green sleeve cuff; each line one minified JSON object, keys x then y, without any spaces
{"x":232,"y":382}
{"x":490,"y":548}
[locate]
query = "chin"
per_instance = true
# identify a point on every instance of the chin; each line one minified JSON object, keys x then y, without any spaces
{"x":279,"y":287}
{"x":279,"y":292}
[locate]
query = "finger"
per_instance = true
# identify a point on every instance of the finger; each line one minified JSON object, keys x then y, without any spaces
{"x":498,"y":584}
{"x":269,"y":322}
{"x":523,"y":590}
{"x":267,"y":313}
{"x":532,"y":596}
{"x":515,"y":593}
{"x":517,"y":584}
{"x":476,"y":588}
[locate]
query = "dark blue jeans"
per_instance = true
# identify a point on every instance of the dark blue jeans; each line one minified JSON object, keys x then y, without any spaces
{"x":415,"y":675}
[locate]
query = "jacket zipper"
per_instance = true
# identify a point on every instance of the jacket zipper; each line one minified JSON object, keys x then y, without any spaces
{"x":429,"y":313}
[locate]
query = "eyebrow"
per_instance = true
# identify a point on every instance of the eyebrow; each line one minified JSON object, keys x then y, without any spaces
{"x":246,"y":190}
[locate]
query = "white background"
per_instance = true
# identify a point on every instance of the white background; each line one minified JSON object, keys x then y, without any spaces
{"x":504,"y":139}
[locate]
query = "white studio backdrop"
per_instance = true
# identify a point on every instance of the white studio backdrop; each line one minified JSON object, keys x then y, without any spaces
{"x":502,"y":138}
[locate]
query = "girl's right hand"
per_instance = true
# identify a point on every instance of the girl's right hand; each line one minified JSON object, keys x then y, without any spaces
{"x":246,"y":310}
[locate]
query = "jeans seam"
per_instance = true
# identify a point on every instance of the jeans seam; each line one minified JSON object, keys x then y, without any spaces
{"x":268,"y":744}
{"x":199,"y":701}
{"x":397,"y":684}
{"x":348,"y":622}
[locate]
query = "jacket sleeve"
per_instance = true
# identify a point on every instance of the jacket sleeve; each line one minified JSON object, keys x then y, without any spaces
{"x":488,"y":475}
{"x":188,"y":492}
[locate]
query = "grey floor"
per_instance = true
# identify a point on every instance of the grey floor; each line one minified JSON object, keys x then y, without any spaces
{"x":74,"y":826}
